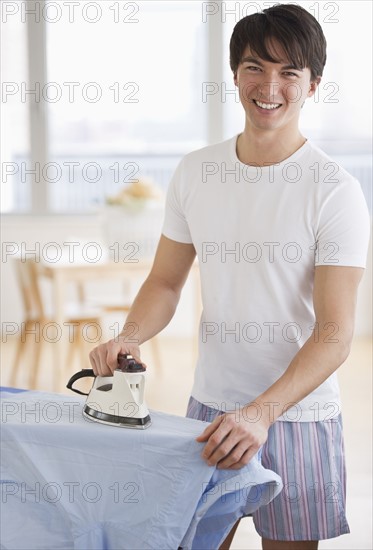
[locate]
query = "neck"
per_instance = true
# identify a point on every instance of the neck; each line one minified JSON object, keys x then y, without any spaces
{"x":263,"y":148}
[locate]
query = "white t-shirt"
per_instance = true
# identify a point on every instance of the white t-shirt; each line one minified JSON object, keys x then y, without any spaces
{"x":259,"y":232}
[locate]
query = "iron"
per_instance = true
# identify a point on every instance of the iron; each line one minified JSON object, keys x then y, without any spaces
{"x":116,"y":400}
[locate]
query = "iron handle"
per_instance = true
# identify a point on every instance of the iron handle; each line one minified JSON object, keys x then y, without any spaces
{"x":81,"y":374}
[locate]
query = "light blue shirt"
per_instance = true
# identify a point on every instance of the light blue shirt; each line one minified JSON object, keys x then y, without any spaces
{"x":68,"y":482}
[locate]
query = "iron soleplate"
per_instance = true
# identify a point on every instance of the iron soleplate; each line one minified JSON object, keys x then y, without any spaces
{"x":119,"y":421}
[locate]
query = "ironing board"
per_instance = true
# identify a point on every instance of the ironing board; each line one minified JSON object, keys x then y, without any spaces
{"x":68,"y":482}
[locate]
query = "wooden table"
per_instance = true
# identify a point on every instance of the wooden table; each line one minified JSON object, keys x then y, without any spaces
{"x":63,"y":273}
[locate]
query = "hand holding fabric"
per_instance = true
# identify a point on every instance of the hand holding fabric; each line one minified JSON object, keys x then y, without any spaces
{"x":234,"y":438}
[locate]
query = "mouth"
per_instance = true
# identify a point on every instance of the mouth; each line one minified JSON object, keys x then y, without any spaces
{"x":267,"y":106}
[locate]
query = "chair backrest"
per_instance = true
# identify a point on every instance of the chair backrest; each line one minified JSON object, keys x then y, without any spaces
{"x":27,"y":275}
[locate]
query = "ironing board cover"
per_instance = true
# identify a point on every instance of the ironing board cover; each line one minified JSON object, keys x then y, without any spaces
{"x":68,"y":482}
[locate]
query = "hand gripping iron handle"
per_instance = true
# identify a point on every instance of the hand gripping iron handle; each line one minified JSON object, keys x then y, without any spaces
{"x":126,"y":363}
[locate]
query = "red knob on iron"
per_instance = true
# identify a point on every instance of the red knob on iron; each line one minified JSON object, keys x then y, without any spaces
{"x":127,"y":363}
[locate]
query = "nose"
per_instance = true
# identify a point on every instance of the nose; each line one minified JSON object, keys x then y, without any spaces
{"x":268,"y":90}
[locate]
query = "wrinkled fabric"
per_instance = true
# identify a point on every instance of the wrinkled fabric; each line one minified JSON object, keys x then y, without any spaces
{"x":71,"y":483}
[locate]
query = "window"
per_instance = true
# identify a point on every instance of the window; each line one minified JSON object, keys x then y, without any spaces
{"x":14,"y":133}
{"x":125,"y":89}
{"x":133,"y":79}
{"x":121,"y":96}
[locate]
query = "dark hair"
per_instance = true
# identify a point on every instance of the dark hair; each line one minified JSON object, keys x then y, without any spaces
{"x":297,"y":31}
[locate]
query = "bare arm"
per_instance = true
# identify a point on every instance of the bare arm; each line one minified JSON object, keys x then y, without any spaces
{"x":335,"y":292}
{"x":233,"y":443}
{"x":153,"y":307}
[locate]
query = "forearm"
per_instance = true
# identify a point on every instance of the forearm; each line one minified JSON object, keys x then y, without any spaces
{"x":232,"y":440}
{"x":152,"y":310}
{"x":310,"y":367}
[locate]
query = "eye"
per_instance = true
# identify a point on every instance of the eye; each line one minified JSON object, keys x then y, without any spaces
{"x":253,"y":68}
{"x":287,"y":73}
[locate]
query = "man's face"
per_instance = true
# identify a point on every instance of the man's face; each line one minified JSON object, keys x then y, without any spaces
{"x":272,"y":94}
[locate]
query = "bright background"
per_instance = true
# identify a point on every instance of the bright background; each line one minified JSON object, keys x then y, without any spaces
{"x":125,"y":89}
{"x":125,"y":81}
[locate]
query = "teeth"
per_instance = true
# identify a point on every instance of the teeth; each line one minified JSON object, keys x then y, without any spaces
{"x":267,"y":105}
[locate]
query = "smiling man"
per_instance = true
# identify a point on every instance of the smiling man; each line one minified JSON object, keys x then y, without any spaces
{"x":281,"y":232}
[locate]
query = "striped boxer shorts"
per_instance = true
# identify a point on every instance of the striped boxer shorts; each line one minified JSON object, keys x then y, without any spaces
{"x":309,"y":457}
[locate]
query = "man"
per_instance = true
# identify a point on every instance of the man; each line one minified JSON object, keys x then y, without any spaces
{"x":281,"y":235}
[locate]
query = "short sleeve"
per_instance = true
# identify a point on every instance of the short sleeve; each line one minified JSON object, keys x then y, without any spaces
{"x":344,"y":227}
{"x":175,"y":225}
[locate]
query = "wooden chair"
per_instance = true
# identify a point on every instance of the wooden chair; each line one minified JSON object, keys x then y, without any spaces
{"x":36,"y":319}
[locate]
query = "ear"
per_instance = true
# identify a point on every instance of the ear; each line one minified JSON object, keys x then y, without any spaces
{"x":235,"y":78}
{"x":313,"y":86}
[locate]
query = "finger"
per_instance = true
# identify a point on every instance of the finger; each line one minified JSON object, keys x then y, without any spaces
{"x":219,"y":443}
{"x":220,"y":451}
{"x":102,"y":364}
{"x":111,"y":359}
{"x":98,"y":362}
{"x":92,"y":360}
{"x":229,"y":463}
{"x":235,"y":456}
{"x":204,"y":436}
